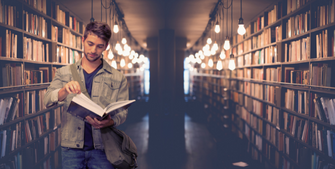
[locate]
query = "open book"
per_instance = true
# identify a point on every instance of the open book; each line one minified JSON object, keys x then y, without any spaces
{"x":81,"y":106}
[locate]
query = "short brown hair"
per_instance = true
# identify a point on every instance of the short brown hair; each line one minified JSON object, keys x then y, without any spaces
{"x":102,"y":30}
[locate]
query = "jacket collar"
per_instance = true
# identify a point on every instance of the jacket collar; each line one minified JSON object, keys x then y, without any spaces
{"x":105,"y":65}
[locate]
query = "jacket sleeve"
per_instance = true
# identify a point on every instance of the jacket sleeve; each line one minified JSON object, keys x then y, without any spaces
{"x":51,"y":96}
{"x":123,"y":94}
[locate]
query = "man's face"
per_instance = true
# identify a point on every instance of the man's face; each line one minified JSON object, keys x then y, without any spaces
{"x":93,"y":47}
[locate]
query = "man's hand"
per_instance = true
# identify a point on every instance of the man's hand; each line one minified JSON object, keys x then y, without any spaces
{"x":71,"y":87}
{"x":100,"y":124}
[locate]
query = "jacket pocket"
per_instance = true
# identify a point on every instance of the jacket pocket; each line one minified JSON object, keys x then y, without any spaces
{"x":110,"y":89}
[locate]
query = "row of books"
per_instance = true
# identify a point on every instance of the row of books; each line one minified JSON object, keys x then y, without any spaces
{"x":298,"y":50}
{"x":63,"y":35}
{"x":10,"y":47}
{"x":35,"y":24}
{"x":272,"y":15}
{"x":74,"y":24}
{"x":324,"y":44}
{"x":8,"y":14}
{"x":12,"y":74}
{"x":293,"y":5}
{"x":35,"y":50}
{"x":9,"y":109}
{"x":66,"y":55}
{"x":298,"y":24}
{"x":320,"y":74}
{"x":40,"y":5}
{"x":37,"y":151}
{"x":60,"y":15}
{"x":325,"y":14}
{"x":33,"y":101}
{"x":298,"y":128}
{"x":325,"y":109}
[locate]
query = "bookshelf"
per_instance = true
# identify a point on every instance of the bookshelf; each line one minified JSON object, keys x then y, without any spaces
{"x":36,"y":38}
{"x":281,"y":92}
{"x":31,"y":51}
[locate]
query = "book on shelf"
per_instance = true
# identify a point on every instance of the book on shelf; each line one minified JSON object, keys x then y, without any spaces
{"x":81,"y":106}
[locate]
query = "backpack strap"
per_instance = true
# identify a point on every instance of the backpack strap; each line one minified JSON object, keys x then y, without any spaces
{"x":76,"y":77}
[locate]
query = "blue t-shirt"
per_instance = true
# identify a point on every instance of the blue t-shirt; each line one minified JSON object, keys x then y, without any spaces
{"x":88,"y":138}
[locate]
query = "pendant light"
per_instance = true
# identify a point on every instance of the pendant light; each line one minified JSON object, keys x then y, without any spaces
{"x":241,"y":29}
{"x":231,"y":65}
{"x":226,"y":45}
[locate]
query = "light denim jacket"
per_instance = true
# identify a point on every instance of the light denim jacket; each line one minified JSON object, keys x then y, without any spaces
{"x":109,"y":85}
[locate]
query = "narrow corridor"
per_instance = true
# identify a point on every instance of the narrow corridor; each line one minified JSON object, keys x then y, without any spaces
{"x":205,"y":148}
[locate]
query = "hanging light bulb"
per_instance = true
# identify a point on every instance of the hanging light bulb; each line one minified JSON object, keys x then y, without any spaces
{"x":192,"y":59}
{"x":120,"y":52}
{"x":116,"y":27}
{"x":213,"y":52}
{"x":124,"y":41}
{"x":131,"y":56}
{"x":206,"y":47}
{"x":207,"y":53}
{"x":210,"y":62}
{"x":114,"y":65}
{"x":231,"y":65}
{"x":202,"y":56}
{"x":223,"y":54}
{"x":142,"y":58}
{"x":209,"y":41}
{"x":134,"y":60}
{"x":203,"y":65}
{"x":226,"y":45}
{"x":241,"y":30}
{"x":126,"y":47}
{"x":130,"y":65}
{"x":125,"y":53}
{"x":122,"y":63}
{"x":219,"y":65}
{"x":110,"y":55}
{"x":118,"y":46}
{"x":215,"y":46}
{"x":217,"y":27}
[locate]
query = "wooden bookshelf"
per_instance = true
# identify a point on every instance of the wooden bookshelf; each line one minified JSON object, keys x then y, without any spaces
{"x":283,"y":65}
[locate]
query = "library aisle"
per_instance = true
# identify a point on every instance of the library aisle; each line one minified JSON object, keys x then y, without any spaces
{"x":203,"y":147}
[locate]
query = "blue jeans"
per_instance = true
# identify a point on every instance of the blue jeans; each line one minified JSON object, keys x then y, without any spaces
{"x":79,"y":159}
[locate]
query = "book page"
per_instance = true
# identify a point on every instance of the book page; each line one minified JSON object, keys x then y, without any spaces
{"x":117,"y":105}
{"x":87,"y":103}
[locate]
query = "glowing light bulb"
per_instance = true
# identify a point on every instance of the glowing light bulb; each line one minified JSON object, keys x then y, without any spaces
{"x":219,"y":65}
{"x":124,"y":41}
{"x":122,"y":63}
{"x":203,"y":65}
{"x":226,"y":45}
{"x":114,"y":65}
{"x":209,"y":41}
{"x":210,"y":62}
{"x":110,"y":55}
{"x":118,"y":46}
{"x":130,"y":65}
{"x":215,"y":46}
{"x":241,"y":30}
{"x":231,"y":65}
{"x":223,"y":54}
{"x":217,"y":28}
{"x":116,"y":28}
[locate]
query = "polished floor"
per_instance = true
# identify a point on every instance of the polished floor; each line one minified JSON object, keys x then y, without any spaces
{"x":204,"y":147}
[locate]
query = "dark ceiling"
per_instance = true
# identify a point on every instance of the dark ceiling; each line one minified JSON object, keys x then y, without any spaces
{"x":189,"y":18}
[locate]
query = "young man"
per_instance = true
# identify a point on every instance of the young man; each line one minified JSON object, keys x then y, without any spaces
{"x":82,"y":146}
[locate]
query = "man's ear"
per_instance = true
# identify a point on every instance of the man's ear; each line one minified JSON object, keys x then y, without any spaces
{"x":82,"y":38}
